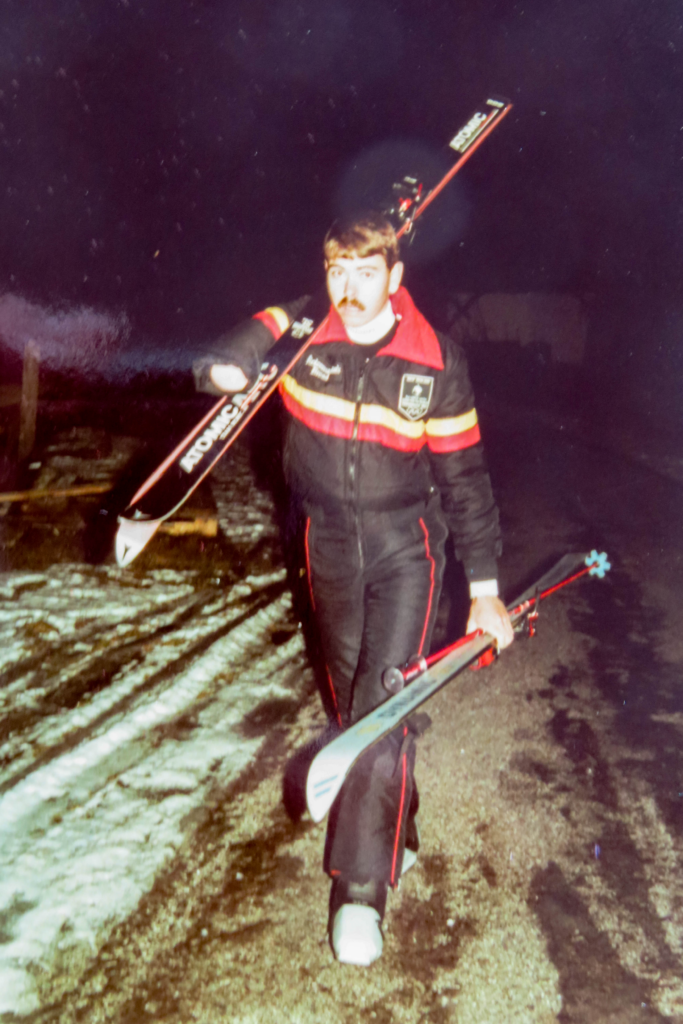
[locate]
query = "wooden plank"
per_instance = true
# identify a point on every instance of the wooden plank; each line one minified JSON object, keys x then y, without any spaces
{"x":181,"y":527}
{"x":29,"y":401}
{"x":65,"y":492}
{"x":202,"y":525}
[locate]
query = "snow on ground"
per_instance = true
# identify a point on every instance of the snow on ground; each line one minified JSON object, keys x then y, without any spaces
{"x":122,"y":705}
{"x":83,"y":455}
{"x":245,"y":511}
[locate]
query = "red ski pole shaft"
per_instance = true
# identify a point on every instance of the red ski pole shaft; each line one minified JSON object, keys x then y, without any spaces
{"x":520,"y":609}
{"x":515,"y":613}
{"x":570,"y":579}
{"x":452,"y":647}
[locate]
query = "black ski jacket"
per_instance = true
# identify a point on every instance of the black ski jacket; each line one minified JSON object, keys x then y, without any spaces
{"x":378,"y":432}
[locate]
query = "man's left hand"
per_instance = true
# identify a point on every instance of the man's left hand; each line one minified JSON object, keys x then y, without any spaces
{"x":490,"y":615}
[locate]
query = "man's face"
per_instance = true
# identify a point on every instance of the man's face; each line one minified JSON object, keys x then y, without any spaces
{"x":359,"y":286}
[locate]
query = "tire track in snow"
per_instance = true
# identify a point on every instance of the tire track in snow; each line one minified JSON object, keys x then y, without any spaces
{"x":622,"y":864}
{"x":646,"y":934}
{"x":75,"y":671}
{"x":100,"y":795}
{"x":49,"y":655}
{"x":122,"y":692}
{"x":84,"y":836}
{"x":135,"y":714}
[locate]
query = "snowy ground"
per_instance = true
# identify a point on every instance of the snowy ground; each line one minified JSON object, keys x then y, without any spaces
{"x":149,"y":872}
{"x":123,"y":703}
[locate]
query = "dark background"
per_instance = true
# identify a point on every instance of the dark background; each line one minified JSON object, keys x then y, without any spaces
{"x":174,"y":165}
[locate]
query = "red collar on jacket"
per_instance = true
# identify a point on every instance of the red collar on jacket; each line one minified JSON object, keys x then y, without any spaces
{"x":414,"y":341}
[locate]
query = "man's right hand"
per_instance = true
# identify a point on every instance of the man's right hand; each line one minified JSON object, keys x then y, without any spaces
{"x":227,"y":377}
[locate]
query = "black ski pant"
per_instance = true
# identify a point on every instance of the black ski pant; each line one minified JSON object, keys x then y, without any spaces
{"x":375,"y":581}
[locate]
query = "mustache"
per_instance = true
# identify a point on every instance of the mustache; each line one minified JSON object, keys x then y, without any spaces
{"x":345,"y":302}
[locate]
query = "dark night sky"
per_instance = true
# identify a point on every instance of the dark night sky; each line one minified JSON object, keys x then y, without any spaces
{"x":217,"y":134}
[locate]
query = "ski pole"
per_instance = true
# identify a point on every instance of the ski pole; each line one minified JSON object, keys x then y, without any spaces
{"x":394,"y":679}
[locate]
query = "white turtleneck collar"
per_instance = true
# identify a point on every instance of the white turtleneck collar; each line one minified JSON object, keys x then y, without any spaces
{"x":372,"y":332}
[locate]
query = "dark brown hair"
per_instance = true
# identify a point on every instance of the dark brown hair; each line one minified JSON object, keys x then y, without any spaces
{"x":366,"y":234}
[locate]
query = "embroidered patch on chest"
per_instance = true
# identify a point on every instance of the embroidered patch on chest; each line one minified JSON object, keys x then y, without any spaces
{"x":415,"y":396}
{"x":321,"y":370}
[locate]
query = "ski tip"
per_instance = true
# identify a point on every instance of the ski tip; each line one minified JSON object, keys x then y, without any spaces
{"x":323,"y":783}
{"x":132,"y":537}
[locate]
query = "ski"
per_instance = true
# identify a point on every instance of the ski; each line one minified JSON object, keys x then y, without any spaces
{"x":181,"y":472}
{"x":172,"y":483}
{"x":423,"y":677}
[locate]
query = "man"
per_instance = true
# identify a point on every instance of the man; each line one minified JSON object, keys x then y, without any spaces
{"x":382,"y":451}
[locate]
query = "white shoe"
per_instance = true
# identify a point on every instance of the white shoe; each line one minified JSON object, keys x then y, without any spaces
{"x":356,"y":935}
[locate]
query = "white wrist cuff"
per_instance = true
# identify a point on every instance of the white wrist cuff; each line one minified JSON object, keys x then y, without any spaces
{"x":484,"y":588}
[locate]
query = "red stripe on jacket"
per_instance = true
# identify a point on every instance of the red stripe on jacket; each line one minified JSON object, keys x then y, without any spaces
{"x":389,"y":438}
{"x":454,"y":442}
{"x":334,"y":426}
{"x":331,"y":425}
{"x":271,"y":323}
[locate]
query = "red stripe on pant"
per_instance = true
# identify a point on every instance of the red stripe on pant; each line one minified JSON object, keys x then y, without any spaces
{"x":401,"y":805}
{"x":310,"y":591}
{"x":431,"y":589}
